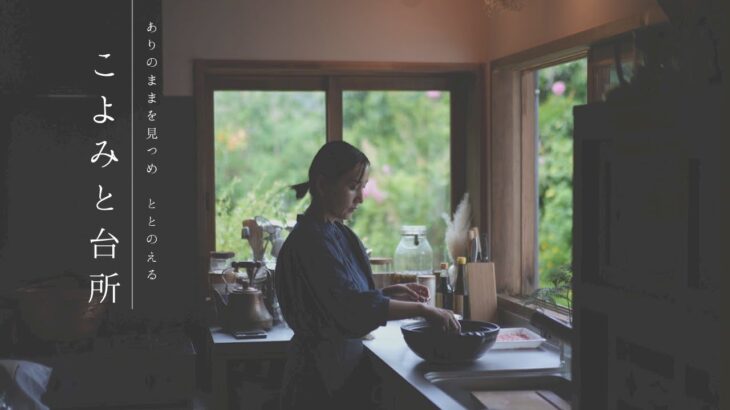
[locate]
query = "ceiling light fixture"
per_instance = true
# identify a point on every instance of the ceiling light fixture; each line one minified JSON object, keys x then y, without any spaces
{"x":495,"y":6}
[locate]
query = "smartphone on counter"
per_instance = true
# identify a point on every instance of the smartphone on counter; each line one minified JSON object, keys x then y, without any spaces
{"x":250,"y":334}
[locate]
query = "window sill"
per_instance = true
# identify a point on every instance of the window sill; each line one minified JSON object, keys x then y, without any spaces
{"x":550,"y":322}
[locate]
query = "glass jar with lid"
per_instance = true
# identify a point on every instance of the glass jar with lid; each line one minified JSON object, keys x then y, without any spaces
{"x":220,"y":261}
{"x":413,"y":255}
{"x":220,"y":270}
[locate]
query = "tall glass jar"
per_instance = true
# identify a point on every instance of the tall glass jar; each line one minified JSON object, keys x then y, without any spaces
{"x":413,"y":255}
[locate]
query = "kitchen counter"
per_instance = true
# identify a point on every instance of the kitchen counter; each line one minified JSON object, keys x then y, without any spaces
{"x":277,"y":340}
{"x":390,"y":356}
{"x":390,"y":350}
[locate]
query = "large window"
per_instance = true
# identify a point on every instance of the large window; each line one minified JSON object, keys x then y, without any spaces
{"x":264,"y":141}
{"x":260,"y":124}
{"x":559,"y":88}
{"x":531,"y":152}
{"x":406,"y":135}
{"x":532,"y":169}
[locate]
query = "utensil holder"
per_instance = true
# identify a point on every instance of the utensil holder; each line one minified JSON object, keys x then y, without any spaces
{"x":482,"y":290}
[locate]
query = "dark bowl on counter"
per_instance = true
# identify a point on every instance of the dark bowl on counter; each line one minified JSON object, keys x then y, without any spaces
{"x":433,"y":345}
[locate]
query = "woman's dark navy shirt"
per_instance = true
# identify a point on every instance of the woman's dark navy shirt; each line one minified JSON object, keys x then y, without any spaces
{"x":326,"y":292}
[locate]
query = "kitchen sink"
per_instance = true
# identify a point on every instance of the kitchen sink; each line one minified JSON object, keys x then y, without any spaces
{"x":460,"y":385}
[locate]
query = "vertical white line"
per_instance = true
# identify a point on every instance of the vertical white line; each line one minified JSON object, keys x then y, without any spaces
{"x":131,"y":116}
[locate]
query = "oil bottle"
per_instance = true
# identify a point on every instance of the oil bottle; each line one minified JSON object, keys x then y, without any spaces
{"x":461,"y":295}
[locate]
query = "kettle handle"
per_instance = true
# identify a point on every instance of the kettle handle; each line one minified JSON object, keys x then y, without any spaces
{"x":227,"y":270}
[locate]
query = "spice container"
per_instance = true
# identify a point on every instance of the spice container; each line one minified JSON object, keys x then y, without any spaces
{"x":381,"y":265}
{"x":429,"y":281}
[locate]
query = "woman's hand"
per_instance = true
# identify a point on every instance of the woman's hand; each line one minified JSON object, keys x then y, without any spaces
{"x":442,"y":318}
{"x":409,"y":292}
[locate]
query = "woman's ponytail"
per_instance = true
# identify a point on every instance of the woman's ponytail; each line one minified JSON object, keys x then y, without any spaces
{"x":301,"y":189}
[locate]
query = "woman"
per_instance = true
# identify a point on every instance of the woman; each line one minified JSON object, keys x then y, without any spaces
{"x":325,"y":288}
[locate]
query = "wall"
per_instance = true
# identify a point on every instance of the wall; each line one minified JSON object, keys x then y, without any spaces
{"x":542,"y":21}
{"x":377,"y":30}
{"x":329,"y":30}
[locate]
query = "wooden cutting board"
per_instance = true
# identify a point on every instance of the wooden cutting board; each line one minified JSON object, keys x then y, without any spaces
{"x":521,"y":399}
{"x":482,"y":289}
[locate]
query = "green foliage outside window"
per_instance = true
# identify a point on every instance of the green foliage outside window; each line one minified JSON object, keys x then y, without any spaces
{"x":264,"y":142}
{"x":406,"y":135}
{"x":560,"y":88}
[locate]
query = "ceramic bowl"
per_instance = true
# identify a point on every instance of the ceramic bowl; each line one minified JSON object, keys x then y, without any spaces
{"x":433,"y":345}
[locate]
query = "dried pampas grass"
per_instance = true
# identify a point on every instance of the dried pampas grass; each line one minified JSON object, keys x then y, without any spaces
{"x":458,"y":228}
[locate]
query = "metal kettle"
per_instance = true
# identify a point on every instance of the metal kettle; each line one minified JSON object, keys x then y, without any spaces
{"x":243,"y":309}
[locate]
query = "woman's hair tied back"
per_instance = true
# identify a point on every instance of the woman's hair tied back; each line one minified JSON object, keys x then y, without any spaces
{"x":333,"y":160}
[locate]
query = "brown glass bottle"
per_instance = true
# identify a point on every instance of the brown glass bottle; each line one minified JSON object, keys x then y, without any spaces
{"x":461,"y":295}
{"x":444,"y":291}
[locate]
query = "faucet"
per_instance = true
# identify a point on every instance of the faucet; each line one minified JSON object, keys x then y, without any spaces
{"x":551,"y":328}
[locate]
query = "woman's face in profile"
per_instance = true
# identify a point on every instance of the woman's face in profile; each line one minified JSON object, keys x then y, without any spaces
{"x":343,"y":197}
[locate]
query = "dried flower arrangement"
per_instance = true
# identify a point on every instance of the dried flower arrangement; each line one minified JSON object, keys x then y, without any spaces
{"x":458,"y":228}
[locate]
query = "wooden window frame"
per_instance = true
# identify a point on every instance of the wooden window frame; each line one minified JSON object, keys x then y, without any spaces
{"x":515,"y":169}
{"x":463,"y":81}
{"x":511,"y":211}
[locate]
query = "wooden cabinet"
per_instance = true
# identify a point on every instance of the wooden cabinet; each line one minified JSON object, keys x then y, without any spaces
{"x":394,"y":392}
{"x":247,"y":374}
{"x":646,"y":259}
{"x":255,"y":383}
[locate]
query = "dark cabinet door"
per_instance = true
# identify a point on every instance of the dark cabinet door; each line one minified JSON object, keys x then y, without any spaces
{"x":647,"y":283}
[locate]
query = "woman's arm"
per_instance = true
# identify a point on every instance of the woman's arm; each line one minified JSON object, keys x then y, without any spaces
{"x":398,"y":309}
{"x":410,"y":292}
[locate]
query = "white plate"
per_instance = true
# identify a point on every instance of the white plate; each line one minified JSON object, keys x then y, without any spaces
{"x":530,"y":340}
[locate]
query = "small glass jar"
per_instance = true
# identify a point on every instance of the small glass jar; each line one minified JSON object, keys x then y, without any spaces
{"x":381,"y":265}
{"x":220,"y":261}
{"x":413,"y":255}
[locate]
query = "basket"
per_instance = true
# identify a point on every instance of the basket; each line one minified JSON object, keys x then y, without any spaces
{"x":57,"y":314}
